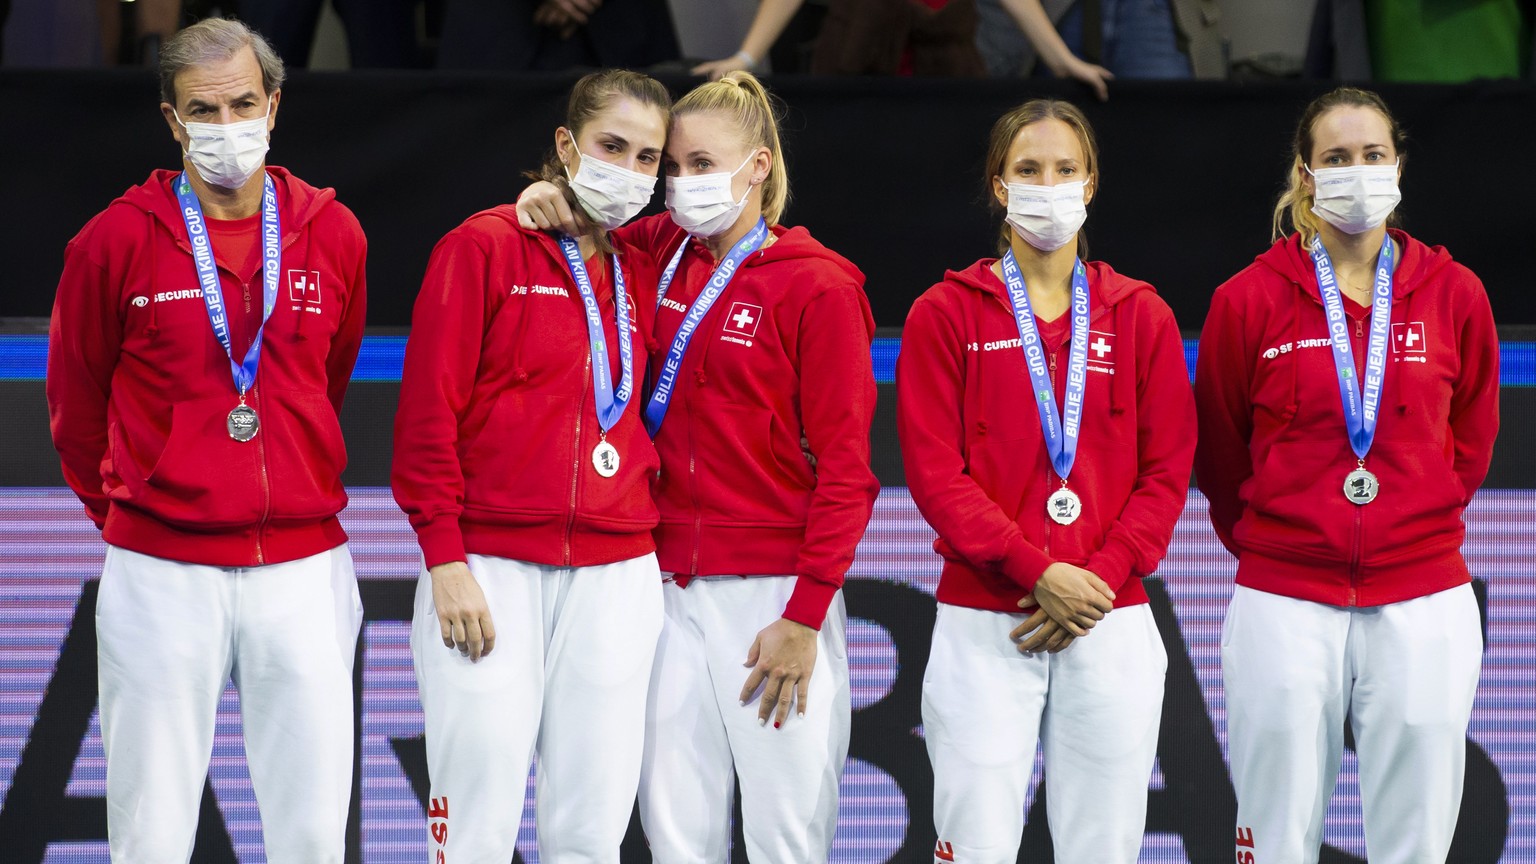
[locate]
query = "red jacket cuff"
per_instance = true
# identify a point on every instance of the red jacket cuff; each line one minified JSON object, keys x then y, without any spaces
{"x":440,"y":540}
{"x":1024,"y":564}
{"x":1112,"y":564}
{"x":808,"y":603}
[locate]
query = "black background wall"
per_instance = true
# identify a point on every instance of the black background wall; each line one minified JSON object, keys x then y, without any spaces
{"x":886,"y":171}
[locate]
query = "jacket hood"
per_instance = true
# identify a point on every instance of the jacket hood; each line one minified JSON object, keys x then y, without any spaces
{"x":1293,"y":262}
{"x":298,"y":202}
{"x":1108,"y":288}
{"x":797,"y":243}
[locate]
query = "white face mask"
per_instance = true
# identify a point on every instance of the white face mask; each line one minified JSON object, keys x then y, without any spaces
{"x":611,"y":195}
{"x":702,"y":205}
{"x":1047,"y":217}
{"x":226,"y":154}
{"x":1356,"y":198}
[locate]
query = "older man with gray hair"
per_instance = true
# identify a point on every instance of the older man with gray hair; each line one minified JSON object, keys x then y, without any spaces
{"x":203,"y":335}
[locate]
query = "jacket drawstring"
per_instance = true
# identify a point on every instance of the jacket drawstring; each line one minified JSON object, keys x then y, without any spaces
{"x":298,"y":332}
{"x":153,"y":330}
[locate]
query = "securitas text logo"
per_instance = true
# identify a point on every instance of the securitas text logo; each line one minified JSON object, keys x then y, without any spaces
{"x":169,"y":296}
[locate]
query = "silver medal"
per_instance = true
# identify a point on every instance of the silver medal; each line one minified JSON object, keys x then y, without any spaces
{"x":242,"y":423}
{"x":1360,"y":486}
{"x":1064,"y":506}
{"x":605,"y":458}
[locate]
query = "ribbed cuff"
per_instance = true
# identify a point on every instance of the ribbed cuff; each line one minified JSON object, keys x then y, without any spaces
{"x":441,"y":541}
{"x":1112,"y":564}
{"x":1024,"y":564}
{"x":808,"y":603}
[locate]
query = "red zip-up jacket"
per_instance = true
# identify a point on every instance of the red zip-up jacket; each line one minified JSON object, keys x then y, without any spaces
{"x":139,"y":388}
{"x":784,"y":353}
{"x":496,"y":424}
{"x":1273,"y":447}
{"x":975,"y":455}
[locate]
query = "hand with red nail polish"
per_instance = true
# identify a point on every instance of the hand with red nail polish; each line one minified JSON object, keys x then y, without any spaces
{"x":781,"y":659}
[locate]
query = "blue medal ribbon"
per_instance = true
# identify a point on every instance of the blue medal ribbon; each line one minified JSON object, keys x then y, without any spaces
{"x":1060,"y":429}
{"x":666,"y":378}
{"x":244,"y":373}
{"x":1361,"y":402}
{"x":610,"y":404}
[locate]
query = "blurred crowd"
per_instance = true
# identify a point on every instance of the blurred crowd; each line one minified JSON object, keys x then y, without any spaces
{"x":1093,"y":41}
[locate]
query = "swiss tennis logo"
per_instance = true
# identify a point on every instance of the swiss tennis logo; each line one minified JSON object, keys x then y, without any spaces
{"x":1101,"y":351}
{"x":304,"y":289}
{"x":743,"y":319}
{"x":437,"y":821}
{"x":1408,"y":337}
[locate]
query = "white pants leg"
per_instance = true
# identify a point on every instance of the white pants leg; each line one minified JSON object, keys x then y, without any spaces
{"x":1099,"y":737}
{"x":294,"y":650}
{"x":789,"y":776}
{"x":1284,"y":669}
{"x":169,"y":634}
{"x":1096,"y":708}
{"x":568,"y":678}
{"x":1417,"y":664}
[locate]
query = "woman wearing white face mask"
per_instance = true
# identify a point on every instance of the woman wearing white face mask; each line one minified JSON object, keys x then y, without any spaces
{"x":760,"y":403}
{"x":1047,"y":518}
{"x":1343,"y":503}
{"x":523,"y":464}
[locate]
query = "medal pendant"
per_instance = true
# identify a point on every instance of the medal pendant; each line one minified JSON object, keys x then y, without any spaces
{"x":1063,"y":506}
{"x":605,"y":458}
{"x":242,"y":423}
{"x":1360,"y":486}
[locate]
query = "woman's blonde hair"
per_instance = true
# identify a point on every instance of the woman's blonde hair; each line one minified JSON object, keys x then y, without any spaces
{"x":590,"y":96}
{"x":1293,"y":209}
{"x":756,"y":112}
{"x":1008,"y":127}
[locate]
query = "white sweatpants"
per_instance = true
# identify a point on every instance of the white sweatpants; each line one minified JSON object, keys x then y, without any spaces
{"x":1095,"y":709}
{"x":566,"y":680}
{"x":697,"y":731}
{"x":1403,"y":675}
{"x":169,"y":636}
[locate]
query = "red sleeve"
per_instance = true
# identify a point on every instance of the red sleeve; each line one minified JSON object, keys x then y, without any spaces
{"x":837,"y":405}
{"x":441,"y":356}
{"x":349,"y":336}
{"x":1475,"y":394}
{"x":930,"y":389}
{"x":1165,"y":449}
{"x":84,"y":339}
{"x":655,"y":235}
{"x":1222,"y":461}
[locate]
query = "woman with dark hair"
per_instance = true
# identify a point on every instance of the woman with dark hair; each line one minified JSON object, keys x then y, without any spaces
{"x":1047,"y":519}
{"x":522,"y":462}
{"x":1343,"y":503}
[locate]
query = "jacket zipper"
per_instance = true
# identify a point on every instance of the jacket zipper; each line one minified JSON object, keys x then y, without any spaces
{"x":1050,"y":474}
{"x":1357,"y":541}
{"x":698,"y":510}
{"x":570,"y":517}
{"x":266,"y":492}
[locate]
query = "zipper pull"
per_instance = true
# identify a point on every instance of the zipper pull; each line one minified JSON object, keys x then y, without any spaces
{"x":246,"y":288}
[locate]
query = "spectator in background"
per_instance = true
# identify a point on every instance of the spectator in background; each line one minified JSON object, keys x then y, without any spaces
{"x":549,"y":35}
{"x":131,"y":33}
{"x":380,"y":33}
{"x":1419,"y":40}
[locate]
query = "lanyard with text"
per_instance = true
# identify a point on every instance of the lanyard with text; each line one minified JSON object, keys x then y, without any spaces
{"x":666,"y":378}
{"x":1060,"y":429}
{"x":610,"y":403}
{"x":1362,"y":402}
{"x":243,"y":423}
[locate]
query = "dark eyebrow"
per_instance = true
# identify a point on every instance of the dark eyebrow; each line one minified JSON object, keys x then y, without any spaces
{"x":198,"y":103}
{"x":618,"y":139}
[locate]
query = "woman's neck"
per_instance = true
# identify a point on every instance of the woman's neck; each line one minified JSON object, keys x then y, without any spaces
{"x":720,"y":244}
{"x":1352,"y":251}
{"x":1047,"y":276}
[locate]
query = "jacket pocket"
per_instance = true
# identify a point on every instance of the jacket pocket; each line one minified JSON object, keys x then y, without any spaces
{"x":305,"y":455}
{"x":740,"y":479}
{"x":203,"y":479}
{"x":525,"y":457}
{"x":621,"y":504}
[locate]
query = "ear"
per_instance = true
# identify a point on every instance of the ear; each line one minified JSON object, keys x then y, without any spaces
{"x":762,"y":163}
{"x":565,"y":146}
{"x":272,"y":100}
{"x":168,"y":111}
{"x":1305,"y":177}
{"x":1090,"y":188}
{"x":1000,"y":190}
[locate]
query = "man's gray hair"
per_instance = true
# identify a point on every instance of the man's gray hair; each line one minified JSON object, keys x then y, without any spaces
{"x":213,"y":40}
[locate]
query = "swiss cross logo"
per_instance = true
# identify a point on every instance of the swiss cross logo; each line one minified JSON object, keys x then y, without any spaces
{"x":1408,"y":337}
{"x":1101,"y":348}
{"x":304,"y":287}
{"x":743,"y":319}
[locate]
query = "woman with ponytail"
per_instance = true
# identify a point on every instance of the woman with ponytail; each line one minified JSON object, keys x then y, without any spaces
{"x":1048,"y":520}
{"x":760,"y":404}
{"x":522,"y":461}
{"x":1343,"y":503}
